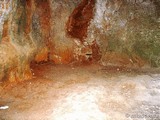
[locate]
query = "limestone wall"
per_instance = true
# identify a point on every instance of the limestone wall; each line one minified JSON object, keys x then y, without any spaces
{"x":118,"y":33}
{"x":30,"y":35}
{"x":127,"y":32}
{"x":5,"y":7}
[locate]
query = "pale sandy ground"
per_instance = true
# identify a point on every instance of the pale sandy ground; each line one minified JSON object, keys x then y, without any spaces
{"x":83,"y":93}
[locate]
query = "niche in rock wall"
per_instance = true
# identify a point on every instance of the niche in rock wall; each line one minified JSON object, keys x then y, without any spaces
{"x":79,"y":20}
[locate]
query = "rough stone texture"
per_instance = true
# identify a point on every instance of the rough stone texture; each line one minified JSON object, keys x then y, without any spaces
{"x":127,"y":32}
{"x":36,"y":31}
{"x":5,"y":7}
{"x":118,"y":33}
{"x":80,"y":18}
{"x":21,"y":43}
{"x":62,"y":49}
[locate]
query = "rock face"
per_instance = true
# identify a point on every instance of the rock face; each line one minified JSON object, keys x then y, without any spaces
{"x":62,"y":49}
{"x":127,"y":32}
{"x":80,"y":18}
{"x":5,"y":7}
{"x":22,"y":41}
{"x":119,"y":33}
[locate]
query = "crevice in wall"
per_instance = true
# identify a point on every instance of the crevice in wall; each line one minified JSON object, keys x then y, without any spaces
{"x":79,"y":20}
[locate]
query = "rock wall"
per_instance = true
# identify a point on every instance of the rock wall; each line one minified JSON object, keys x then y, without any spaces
{"x":22,"y":40}
{"x":5,"y":7}
{"x":127,"y":32}
{"x":62,"y":49}
{"x":118,"y":33}
{"x":34,"y":31}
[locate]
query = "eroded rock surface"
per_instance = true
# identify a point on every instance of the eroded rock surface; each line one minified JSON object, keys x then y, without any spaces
{"x":80,"y":18}
{"x":118,"y":33}
{"x":127,"y":32}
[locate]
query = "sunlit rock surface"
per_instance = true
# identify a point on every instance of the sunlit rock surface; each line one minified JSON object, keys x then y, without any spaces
{"x":118,"y":33}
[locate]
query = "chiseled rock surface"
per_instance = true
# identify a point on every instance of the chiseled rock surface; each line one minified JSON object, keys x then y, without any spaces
{"x":118,"y":33}
{"x":5,"y":8}
{"x":127,"y":32}
{"x":62,"y":49}
{"x":20,"y":44}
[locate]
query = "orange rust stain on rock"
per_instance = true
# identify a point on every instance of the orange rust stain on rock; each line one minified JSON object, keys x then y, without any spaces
{"x":42,"y":55}
{"x":44,"y":12}
{"x":96,"y":55}
{"x":28,"y":16}
{"x":15,"y":76}
{"x":5,"y":35}
{"x":90,"y":53}
{"x":63,"y":56}
{"x":45,"y":15}
{"x":78,"y":22}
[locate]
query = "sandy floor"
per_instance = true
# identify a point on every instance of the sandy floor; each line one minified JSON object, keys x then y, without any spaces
{"x":82,"y":93}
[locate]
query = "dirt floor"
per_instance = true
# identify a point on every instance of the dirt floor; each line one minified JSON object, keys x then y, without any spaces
{"x":92,"y":92}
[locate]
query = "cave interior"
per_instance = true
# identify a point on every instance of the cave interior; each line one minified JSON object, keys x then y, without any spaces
{"x":79,"y":59}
